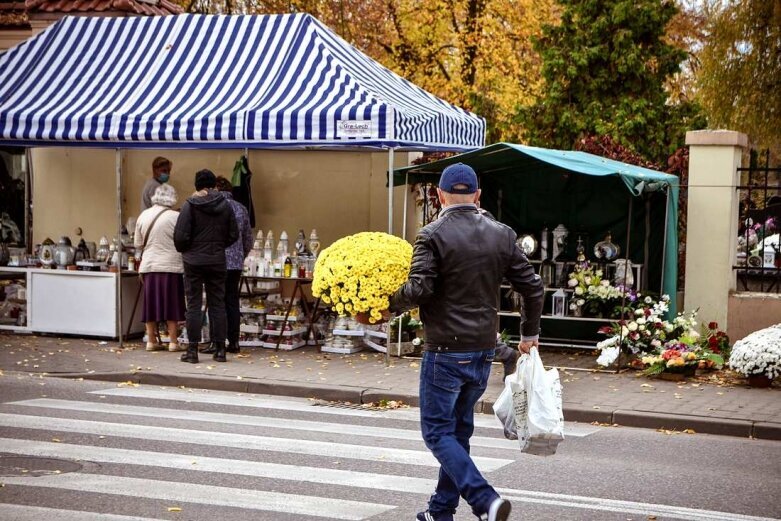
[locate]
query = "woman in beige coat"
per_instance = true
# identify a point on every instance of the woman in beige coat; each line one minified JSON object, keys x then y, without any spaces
{"x":161,"y":268}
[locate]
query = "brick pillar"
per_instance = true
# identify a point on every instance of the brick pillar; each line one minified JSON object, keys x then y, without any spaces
{"x":712,"y":226}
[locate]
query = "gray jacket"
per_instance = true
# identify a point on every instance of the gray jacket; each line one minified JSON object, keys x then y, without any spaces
{"x":458,"y":263}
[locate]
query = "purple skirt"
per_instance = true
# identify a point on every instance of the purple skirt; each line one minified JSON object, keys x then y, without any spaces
{"x":163,"y":297}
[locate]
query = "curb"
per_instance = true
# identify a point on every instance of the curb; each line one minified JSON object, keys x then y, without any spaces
{"x":343,"y":393}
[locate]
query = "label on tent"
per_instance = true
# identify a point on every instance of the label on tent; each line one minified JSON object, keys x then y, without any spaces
{"x":354,"y":128}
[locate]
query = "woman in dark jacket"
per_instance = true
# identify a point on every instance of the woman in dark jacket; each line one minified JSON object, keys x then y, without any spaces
{"x":206,"y":226}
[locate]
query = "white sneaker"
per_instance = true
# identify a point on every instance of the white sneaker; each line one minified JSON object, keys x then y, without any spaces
{"x":173,"y":347}
{"x":151,"y":346}
{"x":498,"y":511}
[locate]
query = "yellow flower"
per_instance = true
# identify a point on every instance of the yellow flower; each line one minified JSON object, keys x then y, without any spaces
{"x":358,"y":273}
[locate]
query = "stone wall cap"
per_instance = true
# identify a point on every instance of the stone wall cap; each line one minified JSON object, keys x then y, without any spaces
{"x":716,"y":138}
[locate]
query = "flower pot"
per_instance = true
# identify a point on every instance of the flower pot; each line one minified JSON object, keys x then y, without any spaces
{"x":759,"y":380}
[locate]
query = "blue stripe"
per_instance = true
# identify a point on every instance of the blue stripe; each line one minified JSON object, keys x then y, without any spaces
{"x":304,"y":76}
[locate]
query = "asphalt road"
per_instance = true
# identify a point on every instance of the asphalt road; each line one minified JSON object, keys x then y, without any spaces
{"x":123,"y":453}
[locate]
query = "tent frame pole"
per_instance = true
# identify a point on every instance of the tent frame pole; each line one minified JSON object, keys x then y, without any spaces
{"x":628,"y":267}
{"x":664,"y":240}
{"x":118,"y":156}
{"x":404,"y":215}
{"x":390,"y":190}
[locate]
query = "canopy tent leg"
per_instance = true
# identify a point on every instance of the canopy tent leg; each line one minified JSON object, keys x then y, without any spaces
{"x":390,"y":190}
{"x":626,"y":272}
{"x":646,"y":244}
{"x":118,"y":156}
{"x":404,"y":215}
{"x":664,"y":241}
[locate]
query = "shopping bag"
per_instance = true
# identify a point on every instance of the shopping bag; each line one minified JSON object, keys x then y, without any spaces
{"x":530,"y":408}
{"x":503,"y":407}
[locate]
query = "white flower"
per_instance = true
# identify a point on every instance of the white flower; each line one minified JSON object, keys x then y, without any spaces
{"x":572,"y":283}
{"x":632,"y":326}
{"x":640,"y":321}
{"x":668,"y":327}
{"x":641,"y":327}
{"x":573,"y":306}
{"x":656,"y":342}
{"x":608,"y":355}
{"x":648,"y":300}
{"x":578,"y":291}
{"x":758,"y":353}
{"x":598,"y":273}
{"x":639,"y":312}
{"x":581,"y":302}
{"x":588,"y":280}
{"x":416,"y":341}
{"x":624,"y":331}
{"x":605,"y":283}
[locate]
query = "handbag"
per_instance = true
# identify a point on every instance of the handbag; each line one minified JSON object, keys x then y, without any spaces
{"x":146,"y":240}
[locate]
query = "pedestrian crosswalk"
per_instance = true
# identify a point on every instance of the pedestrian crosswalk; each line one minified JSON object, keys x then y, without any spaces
{"x":151,"y":453}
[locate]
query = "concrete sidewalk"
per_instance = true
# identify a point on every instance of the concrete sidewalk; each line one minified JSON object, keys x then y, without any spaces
{"x":716,"y":404}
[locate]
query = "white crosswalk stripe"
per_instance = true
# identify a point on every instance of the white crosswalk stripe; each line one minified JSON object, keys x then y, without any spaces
{"x":165,"y":464}
{"x":240,"y":441}
{"x":33,"y":513}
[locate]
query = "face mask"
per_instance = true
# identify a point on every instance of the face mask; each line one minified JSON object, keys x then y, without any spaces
{"x":163,"y":178}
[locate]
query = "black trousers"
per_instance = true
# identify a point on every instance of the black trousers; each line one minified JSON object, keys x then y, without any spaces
{"x":233,"y":304}
{"x":196,"y":278}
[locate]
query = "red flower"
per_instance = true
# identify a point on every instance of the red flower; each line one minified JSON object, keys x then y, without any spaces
{"x":647,"y":312}
{"x":606,"y":330}
{"x":713,"y":325}
{"x":713,"y":341}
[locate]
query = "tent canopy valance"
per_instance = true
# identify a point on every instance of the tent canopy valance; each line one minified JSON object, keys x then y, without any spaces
{"x":205,"y":81}
{"x":529,"y":188}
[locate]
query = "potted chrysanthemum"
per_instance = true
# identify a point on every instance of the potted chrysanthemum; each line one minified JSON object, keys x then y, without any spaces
{"x":758,"y":356}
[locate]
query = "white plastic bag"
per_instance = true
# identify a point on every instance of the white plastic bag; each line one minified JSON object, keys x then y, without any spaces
{"x":529,"y":407}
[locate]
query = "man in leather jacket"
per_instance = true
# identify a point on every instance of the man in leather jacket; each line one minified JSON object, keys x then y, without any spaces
{"x":206,"y":226}
{"x":458,"y":264}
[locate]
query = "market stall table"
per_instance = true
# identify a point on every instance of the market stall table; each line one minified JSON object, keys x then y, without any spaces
{"x":75,"y":302}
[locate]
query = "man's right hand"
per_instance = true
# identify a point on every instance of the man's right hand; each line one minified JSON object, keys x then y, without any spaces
{"x":525,"y":347}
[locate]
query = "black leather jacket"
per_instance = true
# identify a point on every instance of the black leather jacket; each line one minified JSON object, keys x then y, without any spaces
{"x":458,"y":263}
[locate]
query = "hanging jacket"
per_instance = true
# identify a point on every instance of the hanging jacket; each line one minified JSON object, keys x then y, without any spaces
{"x":242,"y":189}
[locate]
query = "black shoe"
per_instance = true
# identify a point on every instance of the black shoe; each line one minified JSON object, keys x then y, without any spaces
{"x":233,"y":348}
{"x":191,"y":355}
{"x":219,"y":354}
{"x":509,"y":365}
{"x":209,"y":349}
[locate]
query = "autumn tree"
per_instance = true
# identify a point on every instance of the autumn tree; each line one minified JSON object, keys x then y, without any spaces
{"x":476,"y":54}
{"x":605,"y":67}
{"x":739,"y":79}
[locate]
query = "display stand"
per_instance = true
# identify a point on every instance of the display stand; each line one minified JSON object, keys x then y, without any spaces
{"x":286,"y":319}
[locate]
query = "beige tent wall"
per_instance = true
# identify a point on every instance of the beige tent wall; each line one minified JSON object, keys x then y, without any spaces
{"x":338,"y":193}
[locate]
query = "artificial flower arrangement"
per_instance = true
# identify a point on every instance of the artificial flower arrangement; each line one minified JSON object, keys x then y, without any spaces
{"x":358,"y":273}
{"x":684,"y":355}
{"x":592,"y":294}
{"x":646,"y":330}
{"x":758,"y":353}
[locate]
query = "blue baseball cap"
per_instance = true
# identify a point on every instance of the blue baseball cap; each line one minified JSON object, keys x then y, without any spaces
{"x":458,"y":174}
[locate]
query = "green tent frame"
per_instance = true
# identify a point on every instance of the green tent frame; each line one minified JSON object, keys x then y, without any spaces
{"x":529,"y":188}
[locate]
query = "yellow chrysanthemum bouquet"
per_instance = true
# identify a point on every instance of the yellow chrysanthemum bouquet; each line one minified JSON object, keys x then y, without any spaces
{"x":358,"y":273}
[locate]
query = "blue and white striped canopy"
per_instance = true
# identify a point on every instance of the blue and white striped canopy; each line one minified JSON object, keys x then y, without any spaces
{"x":215,"y":81}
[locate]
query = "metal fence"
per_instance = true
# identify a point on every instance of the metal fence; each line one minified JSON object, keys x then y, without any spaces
{"x":758,"y":260}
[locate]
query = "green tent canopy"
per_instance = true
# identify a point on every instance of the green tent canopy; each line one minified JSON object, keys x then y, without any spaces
{"x":529,"y":188}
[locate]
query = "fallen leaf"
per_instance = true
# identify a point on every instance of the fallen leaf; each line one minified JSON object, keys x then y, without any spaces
{"x":174,"y":509}
{"x":56,"y":440}
{"x":595,"y":407}
{"x":647,"y":385}
{"x":689,"y":431}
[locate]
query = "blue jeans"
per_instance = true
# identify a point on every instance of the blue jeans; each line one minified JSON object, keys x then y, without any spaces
{"x":450,"y":386}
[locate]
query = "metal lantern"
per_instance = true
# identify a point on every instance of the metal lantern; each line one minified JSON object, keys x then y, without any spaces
{"x":559,"y":301}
